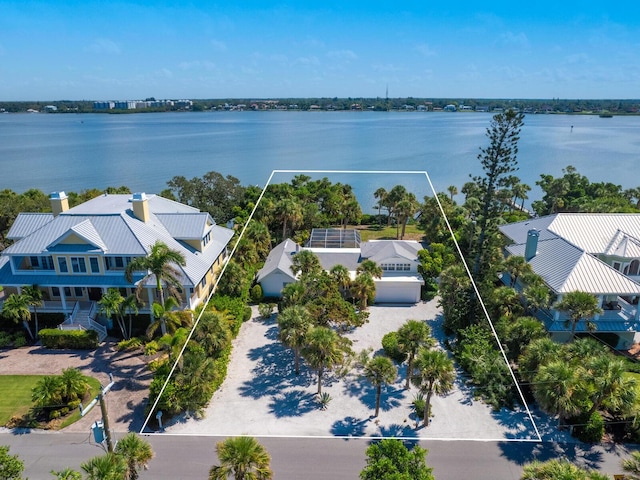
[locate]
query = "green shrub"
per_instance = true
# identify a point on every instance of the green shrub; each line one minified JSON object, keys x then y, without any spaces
{"x":256,"y":294}
{"x":390,"y":346}
{"x":151,"y":348}
{"x":131,"y":344}
{"x":73,"y":404}
{"x":419,"y":404}
{"x":266,"y":310}
{"x":53,"y":414}
{"x":20,"y":341}
{"x":5,"y":340}
{"x":71,"y":339}
{"x":588,"y":429}
{"x":246,"y":314}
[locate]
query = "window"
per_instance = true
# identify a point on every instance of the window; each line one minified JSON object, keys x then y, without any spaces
{"x":405,"y":266}
{"x":633,"y":268}
{"x":55,"y":292}
{"x":78,"y":265}
{"x":35,"y":262}
{"x":67,"y":291}
{"x":94,"y":265}
{"x":203,"y":283}
{"x":616,"y":265}
{"x":123,"y":292}
{"x":47,"y":263}
{"x":78,"y":291}
{"x":119,"y":262}
{"x":62,"y":265}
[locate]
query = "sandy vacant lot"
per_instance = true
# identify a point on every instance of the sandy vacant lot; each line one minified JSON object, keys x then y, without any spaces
{"x":262,"y":396}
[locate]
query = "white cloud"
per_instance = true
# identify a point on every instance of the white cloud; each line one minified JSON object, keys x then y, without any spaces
{"x":103,"y":45}
{"x":577,"y":58}
{"x":511,"y":39}
{"x":197,"y":65}
{"x":425,"y":50}
{"x":342,"y":55}
{"x":312,"y":60}
{"x":219,"y":46}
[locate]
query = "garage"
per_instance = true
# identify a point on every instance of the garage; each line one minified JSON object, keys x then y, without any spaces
{"x":398,"y":290}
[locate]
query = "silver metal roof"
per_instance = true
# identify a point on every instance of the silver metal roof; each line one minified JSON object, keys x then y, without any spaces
{"x":379,"y":250}
{"x":108,"y":223}
{"x":186,"y":226}
{"x":27,"y":223}
{"x":279,"y":259}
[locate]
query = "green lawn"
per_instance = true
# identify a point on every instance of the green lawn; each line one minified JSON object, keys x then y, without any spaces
{"x":15,"y":397}
{"x":374,"y":232}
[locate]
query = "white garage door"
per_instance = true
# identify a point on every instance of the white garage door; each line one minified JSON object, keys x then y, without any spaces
{"x":406,"y":292}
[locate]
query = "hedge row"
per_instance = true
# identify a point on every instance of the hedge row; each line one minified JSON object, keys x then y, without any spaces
{"x":71,"y":339}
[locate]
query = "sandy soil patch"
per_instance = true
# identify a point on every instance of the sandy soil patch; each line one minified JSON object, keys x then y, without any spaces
{"x":262,"y":395}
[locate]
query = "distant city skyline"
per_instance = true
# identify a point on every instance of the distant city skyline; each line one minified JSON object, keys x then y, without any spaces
{"x":133,"y":49}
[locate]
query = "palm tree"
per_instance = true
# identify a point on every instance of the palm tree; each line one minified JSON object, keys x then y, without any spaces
{"x":556,"y":469}
{"x":243,"y":458}
{"x":370,"y":267}
{"x":406,"y":209}
{"x":557,"y":388}
{"x":537,"y":297}
{"x":363,"y":289}
{"x":453,"y":190}
{"x":164,"y":318}
{"x":110,"y":305}
{"x":631,"y":466}
{"x":323,"y":350}
{"x":433,"y":373}
{"x":612,"y":386}
{"x":128,"y":307}
{"x":258,"y":234}
{"x":506,"y":302}
{"x":288,"y":210}
{"x":412,"y":336}
{"x":35,"y":300}
{"x":579,"y":306}
{"x":539,"y":352}
{"x":105,"y":467}
{"x":305,"y":263}
{"x":160,"y":264}
{"x":295,"y":324}
{"x":213,"y":332}
{"x":340,"y":274}
{"x":516,"y":266}
{"x":136,"y":453}
{"x":67,"y":474}
{"x":47,"y":392}
{"x":380,"y":194}
{"x":16,"y":308}
{"x":380,"y":371}
{"x":73,"y":384}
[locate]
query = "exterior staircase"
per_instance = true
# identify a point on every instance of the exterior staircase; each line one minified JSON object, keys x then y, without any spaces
{"x":83,"y":317}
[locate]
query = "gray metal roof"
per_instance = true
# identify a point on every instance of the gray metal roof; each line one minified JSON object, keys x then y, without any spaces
{"x":565,"y":268}
{"x":107,"y":222}
{"x":185,"y":226}
{"x":27,"y":223}
{"x":350,"y":260}
{"x":379,"y":250}
{"x":279,"y":259}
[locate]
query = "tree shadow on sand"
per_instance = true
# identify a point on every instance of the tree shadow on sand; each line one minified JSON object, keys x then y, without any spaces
{"x":583,"y":455}
{"x":293,"y":403}
{"x":273,"y":372}
{"x":350,"y":427}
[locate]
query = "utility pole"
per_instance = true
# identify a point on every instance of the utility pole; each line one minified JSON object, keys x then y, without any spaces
{"x":105,"y":421}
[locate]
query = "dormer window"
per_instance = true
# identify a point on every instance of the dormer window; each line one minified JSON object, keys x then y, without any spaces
{"x":206,"y":239}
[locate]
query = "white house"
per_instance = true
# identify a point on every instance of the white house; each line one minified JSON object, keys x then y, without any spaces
{"x":591,"y":252}
{"x":400,"y":282}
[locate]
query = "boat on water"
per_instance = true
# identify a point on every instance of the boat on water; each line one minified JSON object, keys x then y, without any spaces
{"x":606,"y":115}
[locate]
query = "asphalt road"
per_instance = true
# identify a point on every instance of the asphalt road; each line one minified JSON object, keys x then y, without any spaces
{"x":190,"y":457}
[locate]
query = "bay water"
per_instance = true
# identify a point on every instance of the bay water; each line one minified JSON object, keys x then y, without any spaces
{"x":73,"y":152}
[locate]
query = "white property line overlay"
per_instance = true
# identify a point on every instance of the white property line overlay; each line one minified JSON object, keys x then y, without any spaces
{"x":466,"y":267}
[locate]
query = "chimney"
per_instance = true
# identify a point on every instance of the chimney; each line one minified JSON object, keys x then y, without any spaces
{"x":531,"y":248}
{"x":59,"y":203}
{"x":140,"y":206}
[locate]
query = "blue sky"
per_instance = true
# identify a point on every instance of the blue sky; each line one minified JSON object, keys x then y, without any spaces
{"x":100,"y":50}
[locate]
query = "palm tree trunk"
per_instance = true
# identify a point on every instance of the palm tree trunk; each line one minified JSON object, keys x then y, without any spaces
{"x":320,"y":371}
{"x":427,"y":408}
{"x":35,"y":314}
{"x":378,"y":393}
{"x":409,"y":366}
{"x":296,"y":360}
{"x":25,"y":323}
